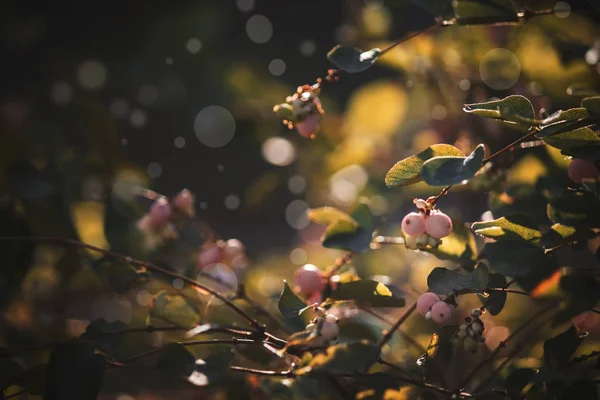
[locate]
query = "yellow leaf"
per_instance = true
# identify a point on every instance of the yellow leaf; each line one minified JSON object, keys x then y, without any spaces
{"x":88,"y":218}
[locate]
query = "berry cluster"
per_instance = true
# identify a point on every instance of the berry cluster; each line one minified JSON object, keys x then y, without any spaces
{"x":431,"y":306}
{"x":325,"y":326}
{"x":158,"y":223}
{"x":470,"y":334}
{"x":310,"y":282}
{"x":302,"y":110}
{"x":231,"y":253}
{"x":426,"y":227}
{"x":579,"y":170}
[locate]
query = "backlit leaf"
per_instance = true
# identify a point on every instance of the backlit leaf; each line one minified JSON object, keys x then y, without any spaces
{"x":443,"y":171}
{"x":511,"y":227}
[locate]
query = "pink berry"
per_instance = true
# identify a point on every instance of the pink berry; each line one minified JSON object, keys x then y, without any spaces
{"x":426,"y":301}
{"x":184,"y":201}
{"x":438,"y":225}
{"x":441,"y":312}
{"x":209,"y":255}
{"x":234,"y":247}
{"x":581,"y":169}
{"x":309,"y":279}
{"x":160,"y":212}
{"x":413,"y":224}
{"x":308,"y":126}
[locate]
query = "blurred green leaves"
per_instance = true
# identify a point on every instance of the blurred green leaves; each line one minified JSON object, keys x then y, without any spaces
{"x":290,"y":305}
{"x":444,"y":281}
{"x":178,"y":363}
{"x":452,"y":170}
{"x":174,"y":309}
{"x":512,"y":227}
{"x":367,"y":292}
{"x":352,"y":60}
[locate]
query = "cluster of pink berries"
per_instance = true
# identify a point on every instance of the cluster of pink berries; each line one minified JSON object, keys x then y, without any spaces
{"x":470,"y":334}
{"x":431,"y":306}
{"x":325,"y":326}
{"x":426,"y":227}
{"x":302,"y":110}
{"x":579,"y":170}
{"x":310,"y":282}
{"x":157,"y":224}
{"x":230,"y":253}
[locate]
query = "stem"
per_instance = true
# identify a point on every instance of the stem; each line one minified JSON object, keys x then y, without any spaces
{"x":409,"y":36}
{"x":339,"y":263}
{"x":394,"y":367}
{"x":389,"y":240}
{"x":502,"y":344}
{"x":153,"y":267}
{"x":388,"y":335}
{"x":497,"y":370}
{"x":523,"y":138}
{"x":406,"y":336}
{"x":288,"y":374}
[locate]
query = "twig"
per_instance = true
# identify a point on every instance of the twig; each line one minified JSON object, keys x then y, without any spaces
{"x":405,"y":335}
{"x":394,"y":367}
{"x":388,"y":335}
{"x":153,"y":267}
{"x":502,"y":344}
{"x":287,"y":374}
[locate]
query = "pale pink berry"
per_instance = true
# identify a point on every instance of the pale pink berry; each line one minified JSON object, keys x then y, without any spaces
{"x":234,"y":247}
{"x":581,"y":169}
{"x":184,"y":201}
{"x":316,"y":297}
{"x":438,"y":225}
{"x":441,"y":312}
{"x":330,"y":330}
{"x":426,"y":301}
{"x":308,"y":126}
{"x":413,"y":224}
{"x":160,"y":212}
{"x":209,"y":255}
{"x":309,"y":279}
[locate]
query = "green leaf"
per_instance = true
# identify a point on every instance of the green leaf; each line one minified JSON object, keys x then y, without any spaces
{"x":375,"y":385}
{"x":343,"y":231}
{"x":512,"y":227}
{"x":439,"y":352}
{"x":516,"y":382}
{"x":495,"y":300}
{"x":443,"y":171}
{"x":572,"y":139}
{"x":476,"y":12}
{"x":289,"y":304}
{"x":564,"y":121}
{"x":513,"y":257}
{"x":99,"y":331}
{"x":574,"y":208}
{"x":559,"y":234}
{"x":408,"y":171}
{"x":344,"y":358}
{"x":174,"y":309}
{"x":75,"y":371}
{"x":363,"y":216}
{"x":444,"y":281}
{"x":460,"y":246}
{"x":177,"y":362}
{"x":582,"y":90}
{"x":582,"y":293}
{"x":515,"y":109}
{"x":559,"y":349}
{"x":352,"y":60}
{"x":367,"y":292}
{"x":592,"y":104}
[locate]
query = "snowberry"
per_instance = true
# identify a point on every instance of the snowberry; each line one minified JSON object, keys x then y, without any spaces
{"x":477,"y":327}
{"x":438,"y":225}
{"x":581,"y":169}
{"x":160,"y":212}
{"x":308,"y":126}
{"x":316,"y":297}
{"x":422,"y":241}
{"x":426,"y":301}
{"x":441,"y":312}
{"x":433,"y":242}
{"x":234,"y":247}
{"x":184,"y":201}
{"x":413,"y":224}
{"x":410,"y":242}
{"x":209,"y":255}
{"x":330,"y":330}
{"x":309,"y":279}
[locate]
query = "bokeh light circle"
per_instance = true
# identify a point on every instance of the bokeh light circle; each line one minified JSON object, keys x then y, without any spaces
{"x":232,"y":202}
{"x":138,"y":118}
{"x":259,"y":29}
{"x":298,"y":256}
{"x":61,"y":93}
{"x":154,"y":170}
{"x":295,"y":214}
{"x":214,"y":126}
{"x":297,"y":184}
{"x":308,"y":48}
{"x":500,"y":69}
{"x":562,"y":9}
{"x":277,"y":67}
{"x":119,"y":108}
{"x":179,"y":142}
{"x":278,"y":151}
{"x":221,"y":279}
{"x":193,"y":45}
{"x":91,"y":75}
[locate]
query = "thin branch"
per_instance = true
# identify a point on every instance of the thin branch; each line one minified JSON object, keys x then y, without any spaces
{"x":286,"y":374}
{"x":394,"y":367}
{"x":388,"y":335}
{"x":17,"y":394}
{"x":409,"y":36}
{"x":523,"y":138}
{"x":503,"y":343}
{"x":148,"y":265}
{"x":405,"y":335}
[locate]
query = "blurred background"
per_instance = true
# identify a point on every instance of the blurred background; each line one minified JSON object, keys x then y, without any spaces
{"x":100,"y":99}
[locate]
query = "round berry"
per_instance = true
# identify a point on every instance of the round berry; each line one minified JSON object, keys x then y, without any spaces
{"x":330,"y":331}
{"x":316,"y":297}
{"x":184,"y":201}
{"x":581,"y":169}
{"x":309,"y":279}
{"x":438,"y":225}
{"x":330,"y":318}
{"x":160,"y":212}
{"x":422,"y":241}
{"x":308,"y":126}
{"x":234,"y":247}
{"x":426,"y":301}
{"x":413,"y":224}
{"x":441,"y":312}
{"x":209,"y":255}
{"x":410,"y":242}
